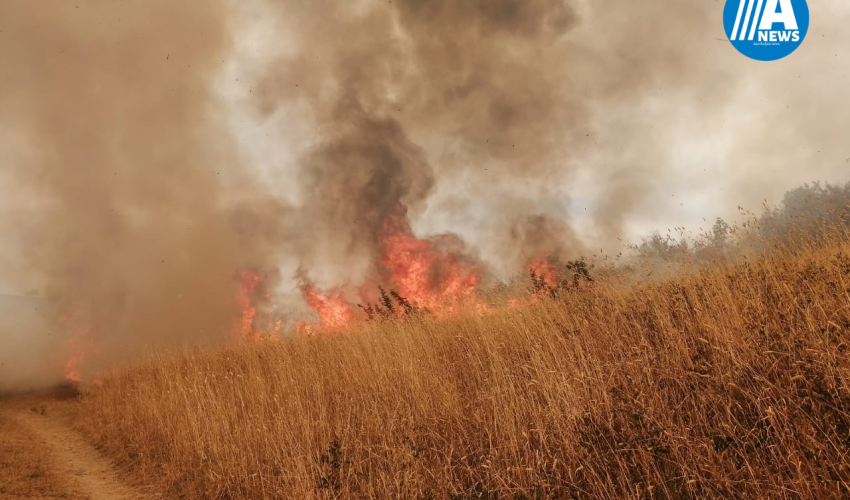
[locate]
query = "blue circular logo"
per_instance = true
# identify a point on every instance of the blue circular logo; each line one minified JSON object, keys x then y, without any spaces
{"x":766,"y":30}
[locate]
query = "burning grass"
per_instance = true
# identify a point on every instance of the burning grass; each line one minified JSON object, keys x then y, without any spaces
{"x":731,"y":382}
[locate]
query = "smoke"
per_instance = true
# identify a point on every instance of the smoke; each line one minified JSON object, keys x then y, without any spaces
{"x":121,"y":168}
{"x":494,"y":102}
{"x":158,"y":149}
{"x":26,"y":342}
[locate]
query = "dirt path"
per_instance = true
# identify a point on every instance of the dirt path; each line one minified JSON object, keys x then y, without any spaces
{"x":50,"y":460}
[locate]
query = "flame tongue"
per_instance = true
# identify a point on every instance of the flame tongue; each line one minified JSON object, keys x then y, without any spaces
{"x":544,"y":270}
{"x":333,"y":310}
{"x":421,"y":272}
{"x":79,"y":344}
{"x":249,"y":281}
{"x":77,"y":350}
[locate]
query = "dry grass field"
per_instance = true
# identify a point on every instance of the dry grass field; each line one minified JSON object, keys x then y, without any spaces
{"x":724,"y":382}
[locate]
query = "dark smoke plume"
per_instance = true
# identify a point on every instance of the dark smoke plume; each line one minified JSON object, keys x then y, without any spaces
{"x":509,"y":98}
{"x":408,"y":94}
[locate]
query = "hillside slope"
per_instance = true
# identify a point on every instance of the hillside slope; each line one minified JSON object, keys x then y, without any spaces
{"x":727,"y":383}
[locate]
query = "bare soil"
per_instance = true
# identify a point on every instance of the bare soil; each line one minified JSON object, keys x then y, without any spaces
{"x":42,"y":457}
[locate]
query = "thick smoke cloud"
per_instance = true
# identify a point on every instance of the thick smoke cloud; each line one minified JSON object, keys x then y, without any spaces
{"x":508,"y":98}
{"x":500,"y":91}
{"x":122,"y":169}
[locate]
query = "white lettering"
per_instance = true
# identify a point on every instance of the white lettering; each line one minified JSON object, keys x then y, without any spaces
{"x":755,"y":19}
{"x":771,"y":16}
{"x":738,"y":20}
{"x":747,"y":18}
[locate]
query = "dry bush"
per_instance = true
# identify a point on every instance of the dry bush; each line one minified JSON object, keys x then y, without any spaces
{"x":728,"y":382}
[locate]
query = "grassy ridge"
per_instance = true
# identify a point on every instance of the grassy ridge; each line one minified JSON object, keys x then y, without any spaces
{"x":724,"y":383}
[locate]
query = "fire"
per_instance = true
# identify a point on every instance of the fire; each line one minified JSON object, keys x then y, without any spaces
{"x":544,"y":270}
{"x":334,"y":311}
{"x":422,"y":273}
{"x":245,"y":294}
{"x":78,"y":348}
{"x":79,"y":344}
{"x":545,"y":277}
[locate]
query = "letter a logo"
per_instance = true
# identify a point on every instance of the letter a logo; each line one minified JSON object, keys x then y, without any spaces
{"x":771,"y":16}
{"x":766,"y":30}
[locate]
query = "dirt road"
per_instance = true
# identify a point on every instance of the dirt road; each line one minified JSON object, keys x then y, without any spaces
{"x":41,"y":457}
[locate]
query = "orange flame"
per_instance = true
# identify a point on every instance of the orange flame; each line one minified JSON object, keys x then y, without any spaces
{"x":543,"y":269}
{"x":334,"y":311}
{"x":248,"y":283}
{"x":78,"y":349}
{"x":423,"y":274}
{"x":79,"y":344}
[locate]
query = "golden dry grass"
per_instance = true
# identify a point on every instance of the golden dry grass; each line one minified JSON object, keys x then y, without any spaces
{"x":722,"y":383}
